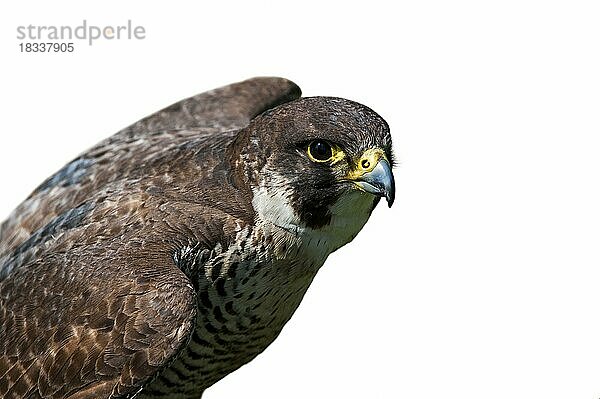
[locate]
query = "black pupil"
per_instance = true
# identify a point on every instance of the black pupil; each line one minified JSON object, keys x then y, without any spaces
{"x":320,"y":150}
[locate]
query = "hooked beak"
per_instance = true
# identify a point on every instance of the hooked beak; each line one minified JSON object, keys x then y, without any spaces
{"x":379,"y":181}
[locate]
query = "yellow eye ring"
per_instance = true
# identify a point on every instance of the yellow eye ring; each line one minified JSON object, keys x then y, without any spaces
{"x":319,"y":151}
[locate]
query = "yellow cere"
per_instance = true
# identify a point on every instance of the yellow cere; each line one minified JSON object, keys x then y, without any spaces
{"x":366,"y":163}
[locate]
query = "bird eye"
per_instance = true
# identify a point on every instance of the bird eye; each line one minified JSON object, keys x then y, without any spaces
{"x":320,"y":151}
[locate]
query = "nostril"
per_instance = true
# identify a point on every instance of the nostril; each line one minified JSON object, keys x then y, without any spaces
{"x":365,"y":163}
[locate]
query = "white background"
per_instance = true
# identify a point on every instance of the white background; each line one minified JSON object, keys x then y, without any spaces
{"x":483,"y":280}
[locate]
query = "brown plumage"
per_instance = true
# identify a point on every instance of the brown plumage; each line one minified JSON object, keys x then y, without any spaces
{"x":174,"y":252}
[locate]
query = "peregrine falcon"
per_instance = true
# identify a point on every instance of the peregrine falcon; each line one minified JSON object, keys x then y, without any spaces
{"x":174,"y":252}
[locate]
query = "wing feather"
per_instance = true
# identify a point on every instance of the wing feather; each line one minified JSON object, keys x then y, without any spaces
{"x":214,"y":113}
{"x":226,"y":108}
{"x":99,"y":307}
{"x":92,"y":304}
{"x":130,"y":333}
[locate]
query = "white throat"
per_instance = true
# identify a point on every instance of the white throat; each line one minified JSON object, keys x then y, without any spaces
{"x":348,"y":215}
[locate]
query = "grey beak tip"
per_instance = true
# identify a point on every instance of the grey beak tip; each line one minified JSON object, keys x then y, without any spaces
{"x":380,"y":181}
{"x":390,"y":196}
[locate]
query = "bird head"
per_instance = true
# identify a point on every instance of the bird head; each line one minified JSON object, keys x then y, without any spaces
{"x":319,"y":164}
